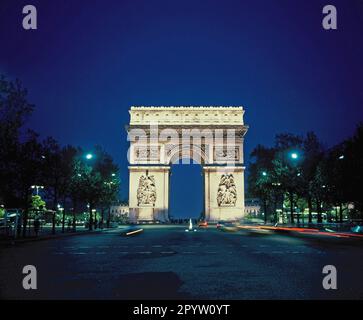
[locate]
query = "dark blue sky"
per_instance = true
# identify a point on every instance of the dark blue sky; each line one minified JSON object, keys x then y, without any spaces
{"x":89,"y":61}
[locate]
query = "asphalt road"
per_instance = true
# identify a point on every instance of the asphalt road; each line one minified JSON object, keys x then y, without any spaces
{"x":166,"y":262}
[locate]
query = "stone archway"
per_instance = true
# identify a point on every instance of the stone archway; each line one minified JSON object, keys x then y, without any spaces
{"x":210,"y":136}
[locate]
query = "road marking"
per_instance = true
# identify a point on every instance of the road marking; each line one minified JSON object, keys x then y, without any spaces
{"x":103,"y":246}
{"x":144,"y":252}
{"x":277,"y":252}
{"x":157,"y":246}
{"x":140,"y":246}
{"x":124,"y":252}
{"x":167,"y":252}
{"x":84,"y":247}
{"x":188,"y":252}
{"x":210,"y":252}
{"x":77,"y":253}
{"x":263,"y":245}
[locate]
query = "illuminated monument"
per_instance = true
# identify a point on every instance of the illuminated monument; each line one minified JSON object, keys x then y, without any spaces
{"x":211,"y":136}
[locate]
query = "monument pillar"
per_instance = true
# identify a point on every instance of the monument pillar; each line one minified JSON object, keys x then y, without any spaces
{"x":224,"y":193}
{"x":149,"y":193}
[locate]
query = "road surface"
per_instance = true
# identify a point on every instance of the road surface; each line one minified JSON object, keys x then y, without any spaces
{"x":165,"y":262}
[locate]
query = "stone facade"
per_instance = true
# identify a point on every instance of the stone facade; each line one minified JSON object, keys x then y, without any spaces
{"x":120,"y":210}
{"x":161,"y":136}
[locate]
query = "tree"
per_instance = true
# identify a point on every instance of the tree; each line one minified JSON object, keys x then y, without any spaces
{"x":287,"y":167}
{"x":352,"y":171}
{"x":318,"y":189}
{"x":95,"y":183}
{"x":313,"y":155}
{"x":111,"y":184}
{"x":14,"y":111}
{"x":36,"y":206}
{"x":260,"y":174}
{"x":336,"y":177}
{"x":57,"y":172}
{"x":28,"y":172}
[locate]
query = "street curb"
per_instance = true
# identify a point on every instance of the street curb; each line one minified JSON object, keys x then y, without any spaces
{"x":50,"y":237}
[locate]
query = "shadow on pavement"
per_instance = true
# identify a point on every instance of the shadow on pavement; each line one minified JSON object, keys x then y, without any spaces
{"x":149,"y":285}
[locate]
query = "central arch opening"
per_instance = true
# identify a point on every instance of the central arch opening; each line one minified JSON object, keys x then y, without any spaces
{"x":186,"y":191}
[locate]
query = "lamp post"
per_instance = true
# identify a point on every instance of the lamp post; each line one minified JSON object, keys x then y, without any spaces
{"x":37,"y":188}
{"x":90,"y":221}
{"x":293,"y":157}
{"x":89,"y":156}
{"x":63,"y":216}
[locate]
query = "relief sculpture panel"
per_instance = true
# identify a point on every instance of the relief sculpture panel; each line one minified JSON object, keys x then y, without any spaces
{"x":146,"y":192}
{"x":227,"y":193}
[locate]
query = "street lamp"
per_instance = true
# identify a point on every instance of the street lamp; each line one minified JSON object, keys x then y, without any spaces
{"x":61,"y":209}
{"x":294,"y":155}
{"x":264,"y":173}
{"x":341,"y":157}
{"x":37,"y":188}
{"x":89,"y":156}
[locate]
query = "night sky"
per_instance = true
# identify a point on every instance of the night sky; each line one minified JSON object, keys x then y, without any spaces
{"x":89,"y":61}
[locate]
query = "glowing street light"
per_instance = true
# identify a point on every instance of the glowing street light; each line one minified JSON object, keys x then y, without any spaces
{"x":89,"y":156}
{"x":264,"y":173}
{"x":294,"y":155}
{"x":37,"y":188}
{"x":341,"y":157}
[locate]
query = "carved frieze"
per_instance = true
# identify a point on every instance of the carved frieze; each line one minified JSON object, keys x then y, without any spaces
{"x":225,"y":153}
{"x":143,"y":153}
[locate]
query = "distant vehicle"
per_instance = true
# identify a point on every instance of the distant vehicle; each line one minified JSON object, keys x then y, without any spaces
{"x":357,"y":229}
{"x":220,"y":224}
{"x":227,"y":226}
{"x":203,"y":224}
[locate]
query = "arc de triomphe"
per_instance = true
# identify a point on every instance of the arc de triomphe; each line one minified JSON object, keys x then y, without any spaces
{"x":162,"y":136}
